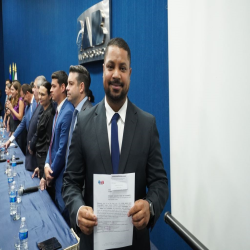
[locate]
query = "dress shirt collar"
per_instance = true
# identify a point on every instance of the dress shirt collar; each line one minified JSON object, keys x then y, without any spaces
{"x":60,"y":106}
{"x":81,"y":103}
{"x":32,"y":99}
{"x":110,"y":112}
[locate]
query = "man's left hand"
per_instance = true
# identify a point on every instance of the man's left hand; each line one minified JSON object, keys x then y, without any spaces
{"x":140,"y":214}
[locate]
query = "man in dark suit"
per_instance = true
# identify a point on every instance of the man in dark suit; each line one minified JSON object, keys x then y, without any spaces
{"x":55,"y":161}
{"x":30,"y":159}
{"x":92,"y":152}
{"x":78,"y":86}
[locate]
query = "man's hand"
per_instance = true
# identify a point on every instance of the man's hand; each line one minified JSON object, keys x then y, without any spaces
{"x":48,"y":171}
{"x":140,"y":214}
{"x":7,"y":144}
{"x":30,"y":151}
{"x":86,"y":220}
{"x":36,"y":173}
{"x":42,"y":184}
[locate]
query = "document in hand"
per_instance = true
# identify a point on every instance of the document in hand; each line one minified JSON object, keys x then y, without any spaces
{"x":114,"y":195}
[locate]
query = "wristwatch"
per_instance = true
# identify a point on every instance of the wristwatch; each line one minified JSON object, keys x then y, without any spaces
{"x":151,"y":210}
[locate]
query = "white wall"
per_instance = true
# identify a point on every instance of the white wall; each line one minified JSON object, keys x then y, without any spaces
{"x":209,"y":81}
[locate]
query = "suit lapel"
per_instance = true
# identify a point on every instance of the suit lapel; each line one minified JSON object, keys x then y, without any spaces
{"x":57,"y":119}
{"x":85,"y":105}
{"x":128,"y":135}
{"x":33,"y":115}
{"x":63,"y":106}
{"x":102,"y":136}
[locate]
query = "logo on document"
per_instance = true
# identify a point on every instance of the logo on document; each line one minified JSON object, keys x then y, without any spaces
{"x":93,"y":32}
{"x":101,"y":182}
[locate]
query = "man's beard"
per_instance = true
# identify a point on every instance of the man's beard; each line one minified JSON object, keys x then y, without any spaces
{"x":114,"y":97}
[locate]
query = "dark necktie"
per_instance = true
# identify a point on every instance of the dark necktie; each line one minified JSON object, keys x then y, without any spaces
{"x":115,"y":154}
{"x":51,"y":141}
{"x":71,"y":132}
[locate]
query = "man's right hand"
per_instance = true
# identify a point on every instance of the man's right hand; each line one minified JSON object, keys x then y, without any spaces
{"x":36,"y":173}
{"x":7,"y":144}
{"x":86,"y":220}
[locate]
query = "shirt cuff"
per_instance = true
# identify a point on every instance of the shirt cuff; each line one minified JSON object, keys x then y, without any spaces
{"x":12,"y":138}
{"x":77,"y":215}
{"x":47,"y":165}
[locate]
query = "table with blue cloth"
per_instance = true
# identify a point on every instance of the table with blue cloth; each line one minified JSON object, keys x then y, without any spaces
{"x":43,"y":219}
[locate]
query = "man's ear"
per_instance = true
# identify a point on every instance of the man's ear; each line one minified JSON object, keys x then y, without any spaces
{"x":63,"y":87}
{"x":82,"y":87}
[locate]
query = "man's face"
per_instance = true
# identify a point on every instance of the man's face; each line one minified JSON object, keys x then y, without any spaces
{"x":74,"y":91}
{"x":26,"y":97}
{"x":35,"y":90}
{"x":7,"y":82}
{"x":56,"y":90}
{"x":116,"y":74}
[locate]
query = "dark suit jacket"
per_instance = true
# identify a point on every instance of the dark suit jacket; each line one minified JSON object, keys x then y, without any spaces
{"x":44,"y":130}
{"x":30,"y":160}
{"x":140,"y":154}
{"x":58,"y":149}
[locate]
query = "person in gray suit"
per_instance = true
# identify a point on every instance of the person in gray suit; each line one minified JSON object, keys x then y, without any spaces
{"x":78,"y":86}
{"x":91,"y":152}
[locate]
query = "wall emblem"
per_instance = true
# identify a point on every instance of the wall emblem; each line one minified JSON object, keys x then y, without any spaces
{"x":93,"y":27}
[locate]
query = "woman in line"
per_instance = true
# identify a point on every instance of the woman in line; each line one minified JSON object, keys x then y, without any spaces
{"x":41,"y":139}
{"x":16,"y":107}
{"x":7,"y":122}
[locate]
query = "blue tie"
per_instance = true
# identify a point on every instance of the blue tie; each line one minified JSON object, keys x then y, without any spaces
{"x":71,"y":132}
{"x":115,"y":155}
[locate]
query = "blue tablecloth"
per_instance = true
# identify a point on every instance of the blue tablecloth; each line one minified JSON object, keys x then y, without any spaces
{"x":42,"y":216}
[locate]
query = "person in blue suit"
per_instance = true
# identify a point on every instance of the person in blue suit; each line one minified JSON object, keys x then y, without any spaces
{"x":55,"y":160}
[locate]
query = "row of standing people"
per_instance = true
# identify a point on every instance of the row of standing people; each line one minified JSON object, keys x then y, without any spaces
{"x":47,"y":120}
{"x":113,"y":137}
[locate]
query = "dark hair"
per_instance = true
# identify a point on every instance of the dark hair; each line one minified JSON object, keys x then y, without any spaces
{"x":61,"y":77}
{"x":83,"y":76}
{"x":46,"y":85}
{"x":8,"y":80}
{"x":120,"y":43}
{"x":32,"y":84}
{"x":8,"y":85}
{"x":91,"y":96}
{"x":26,"y":88}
